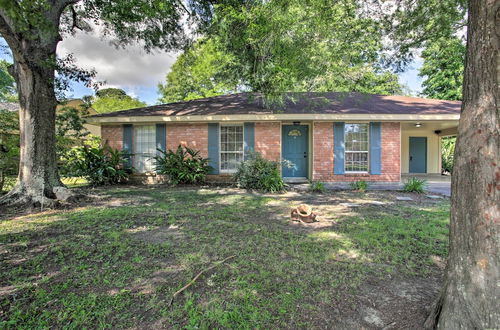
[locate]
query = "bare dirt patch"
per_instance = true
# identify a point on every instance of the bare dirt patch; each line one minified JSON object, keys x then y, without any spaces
{"x":157,"y":235}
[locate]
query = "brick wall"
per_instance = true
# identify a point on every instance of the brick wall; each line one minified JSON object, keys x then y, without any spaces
{"x":268,"y":140}
{"x":268,"y":143}
{"x":112,"y":135}
{"x":191,"y":135}
{"x":323,"y":155}
{"x":322,"y":151}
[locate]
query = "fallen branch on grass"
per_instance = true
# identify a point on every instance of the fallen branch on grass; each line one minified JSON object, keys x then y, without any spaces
{"x":196,"y":277}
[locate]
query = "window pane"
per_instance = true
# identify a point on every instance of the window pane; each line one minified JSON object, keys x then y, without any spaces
{"x":144,"y":147}
{"x":231,"y":147}
{"x":356,"y":147}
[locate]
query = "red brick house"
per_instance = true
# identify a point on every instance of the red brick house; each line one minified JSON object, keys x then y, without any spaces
{"x":336,"y":137}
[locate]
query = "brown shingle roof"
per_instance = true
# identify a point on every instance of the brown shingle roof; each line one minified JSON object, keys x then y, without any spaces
{"x":297,"y":103}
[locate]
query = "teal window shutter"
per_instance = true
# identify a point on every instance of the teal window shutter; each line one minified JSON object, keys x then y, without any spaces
{"x":338,"y":148}
{"x":213,"y":147}
{"x":128,"y":140}
{"x":161,"y":137}
{"x":249,"y":136}
{"x":375,"y":148}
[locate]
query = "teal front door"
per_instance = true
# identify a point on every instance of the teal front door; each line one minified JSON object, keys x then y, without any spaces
{"x":418,"y":154}
{"x":295,"y":151}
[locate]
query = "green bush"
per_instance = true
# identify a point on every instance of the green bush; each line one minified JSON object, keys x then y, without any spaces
{"x":99,"y":165}
{"x":259,"y":173}
{"x":414,"y":185}
{"x":9,"y":146}
{"x":184,"y":165}
{"x":448,"y":149}
{"x":317,"y":186}
{"x":360,"y":185}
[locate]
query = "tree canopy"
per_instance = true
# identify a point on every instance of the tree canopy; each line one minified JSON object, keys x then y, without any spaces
{"x":443,"y":68}
{"x":114,"y":99}
{"x":279,"y":46}
{"x":33,"y":29}
{"x":198,"y":72}
{"x":7,"y":84}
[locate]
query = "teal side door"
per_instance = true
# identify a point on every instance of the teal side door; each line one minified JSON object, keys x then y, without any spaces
{"x":295,"y":151}
{"x":418,"y":154}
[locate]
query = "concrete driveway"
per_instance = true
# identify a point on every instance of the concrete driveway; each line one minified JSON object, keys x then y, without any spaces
{"x":436,"y":183}
{"x":439,"y":188}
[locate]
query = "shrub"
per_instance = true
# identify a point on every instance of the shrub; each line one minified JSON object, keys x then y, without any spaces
{"x":259,"y":173}
{"x":317,"y":186}
{"x":414,"y":185}
{"x":359,"y":185}
{"x":448,"y":149}
{"x":184,"y":165}
{"x":99,"y":165}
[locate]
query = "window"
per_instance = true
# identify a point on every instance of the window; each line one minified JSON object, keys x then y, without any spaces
{"x":144,"y":148}
{"x":356,"y":147}
{"x":231,"y":147}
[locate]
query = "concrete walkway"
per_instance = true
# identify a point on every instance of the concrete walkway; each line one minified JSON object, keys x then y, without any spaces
{"x":435,"y":184}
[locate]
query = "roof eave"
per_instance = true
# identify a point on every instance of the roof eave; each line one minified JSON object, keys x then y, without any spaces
{"x":274,"y":117}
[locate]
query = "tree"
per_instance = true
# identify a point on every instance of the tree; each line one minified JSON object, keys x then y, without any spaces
{"x":197,"y":73}
{"x":9,"y":144}
{"x":280,"y":46}
{"x":7,"y":84}
{"x":114,"y":99}
{"x":447,"y":152}
{"x":70,"y":131}
{"x":33,"y":29}
{"x":111,"y":92}
{"x":443,"y":68}
{"x":70,"y":128}
{"x":470,"y":297}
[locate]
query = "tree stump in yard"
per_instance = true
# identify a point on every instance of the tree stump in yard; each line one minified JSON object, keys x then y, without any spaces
{"x":303,"y":213}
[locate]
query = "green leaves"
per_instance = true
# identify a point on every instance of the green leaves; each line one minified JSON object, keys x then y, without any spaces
{"x":259,"y":173}
{"x":414,"y":23}
{"x":280,"y":46}
{"x":443,"y":68}
{"x":114,"y":99}
{"x":198,"y":72}
{"x":7,"y":84}
{"x":415,"y":185}
{"x":99,"y":165}
{"x":184,"y":165}
{"x":447,"y":153}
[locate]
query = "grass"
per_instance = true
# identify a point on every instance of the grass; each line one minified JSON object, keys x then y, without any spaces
{"x":72,"y":182}
{"x":116,"y":263}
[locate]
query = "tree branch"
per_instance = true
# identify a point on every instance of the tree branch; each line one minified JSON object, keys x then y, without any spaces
{"x":184,"y":7}
{"x":74,"y":18}
{"x":8,"y":31}
{"x":60,"y":6}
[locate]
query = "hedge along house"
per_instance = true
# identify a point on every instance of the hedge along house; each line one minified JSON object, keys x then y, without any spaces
{"x":331,"y":137}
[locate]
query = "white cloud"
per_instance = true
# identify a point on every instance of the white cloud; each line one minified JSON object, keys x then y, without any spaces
{"x":130,"y":68}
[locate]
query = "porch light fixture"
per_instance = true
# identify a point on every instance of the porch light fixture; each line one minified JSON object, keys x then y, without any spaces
{"x":418,"y":125}
{"x":296,"y":123}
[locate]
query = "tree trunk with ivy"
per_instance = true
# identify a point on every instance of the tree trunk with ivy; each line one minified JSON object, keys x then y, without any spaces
{"x":34,"y":56}
{"x":470,"y":298}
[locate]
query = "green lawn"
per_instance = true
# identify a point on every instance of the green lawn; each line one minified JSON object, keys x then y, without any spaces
{"x":10,"y":181}
{"x":116,"y":262}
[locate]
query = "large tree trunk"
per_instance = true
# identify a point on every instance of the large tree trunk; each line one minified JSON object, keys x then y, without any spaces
{"x":34,"y":71}
{"x":470,"y":298}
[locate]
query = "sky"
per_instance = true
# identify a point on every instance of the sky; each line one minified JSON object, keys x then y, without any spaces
{"x":139,"y":73}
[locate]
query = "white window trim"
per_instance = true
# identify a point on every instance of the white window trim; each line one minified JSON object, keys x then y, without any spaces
{"x":232,"y":152}
{"x":352,"y":152}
